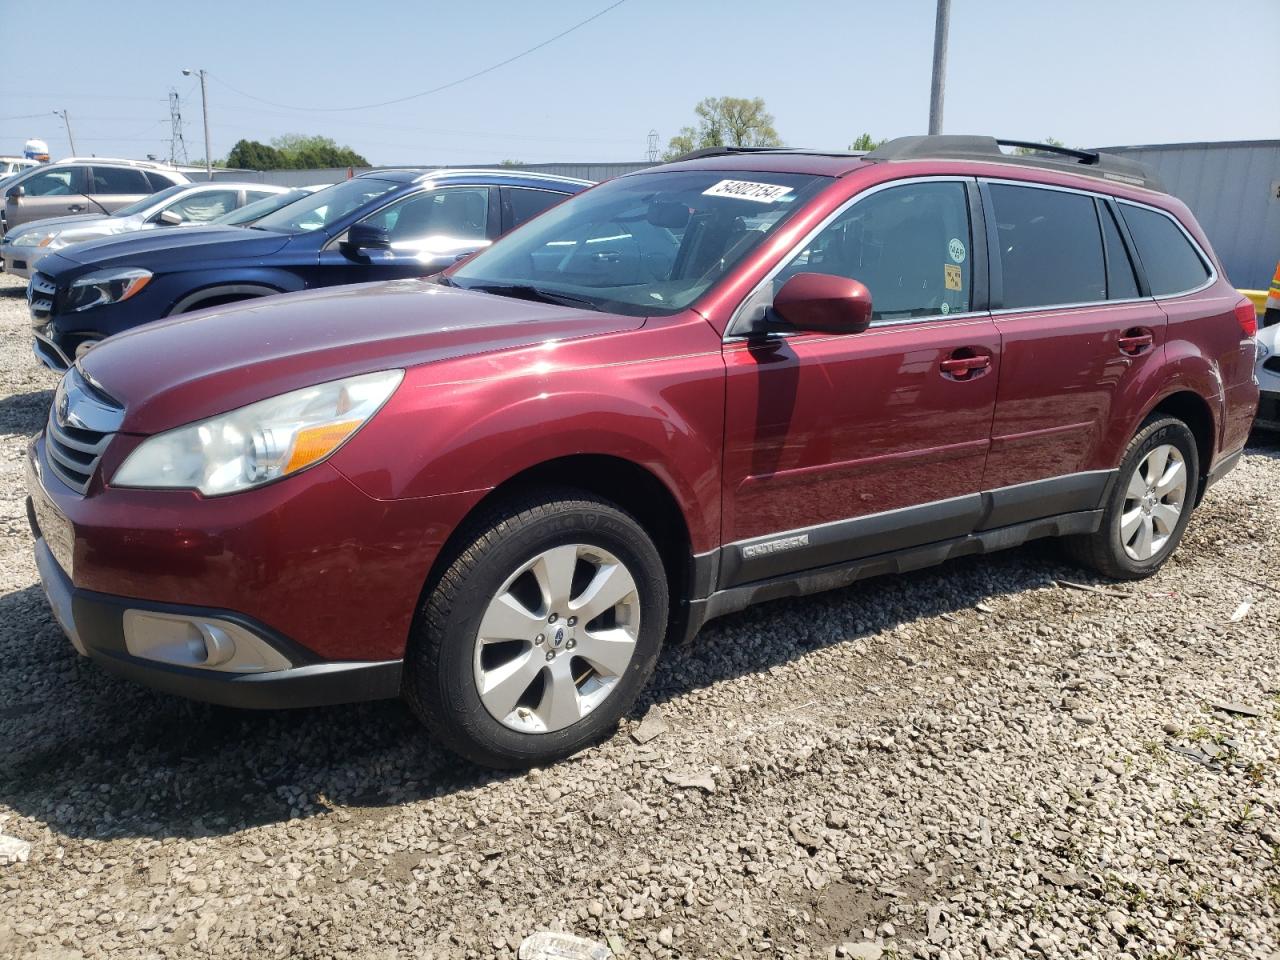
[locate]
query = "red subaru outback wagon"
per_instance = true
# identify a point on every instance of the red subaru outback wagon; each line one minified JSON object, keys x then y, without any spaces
{"x":742,"y":376}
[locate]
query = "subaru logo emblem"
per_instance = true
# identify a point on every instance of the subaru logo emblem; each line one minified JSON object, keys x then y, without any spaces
{"x":559,"y":636}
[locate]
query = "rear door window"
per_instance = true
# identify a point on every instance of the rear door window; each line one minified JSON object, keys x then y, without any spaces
{"x":1050,"y":247}
{"x":520,"y":204}
{"x":120,"y":180}
{"x":1169,"y":259}
{"x":158,"y":181}
{"x":908,"y":245}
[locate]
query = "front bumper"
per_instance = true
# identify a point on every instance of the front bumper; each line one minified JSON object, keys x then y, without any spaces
{"x":94,"y":623}
{"x":328,"y":575}
{"x":18,"y":263}
{"x":1268,"y":417}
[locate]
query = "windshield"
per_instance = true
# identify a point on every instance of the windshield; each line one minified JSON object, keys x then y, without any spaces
{"x":327,"y":206}
{"x":646,"y":244}
{"x":146,"y":202}
{"x":260,"y":208}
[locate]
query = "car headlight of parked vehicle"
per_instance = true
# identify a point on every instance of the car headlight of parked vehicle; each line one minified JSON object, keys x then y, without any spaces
{"x":107,"y":286}
{"x":32,"y":238}
{"x":259,"y":443}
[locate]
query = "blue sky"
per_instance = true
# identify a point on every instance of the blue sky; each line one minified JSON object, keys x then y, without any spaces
{"x":1088,"y":72}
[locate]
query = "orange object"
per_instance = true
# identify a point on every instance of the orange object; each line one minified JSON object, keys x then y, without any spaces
{"x":313,"y":443}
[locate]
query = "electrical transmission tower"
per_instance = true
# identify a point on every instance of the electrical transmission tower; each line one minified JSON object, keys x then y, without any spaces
{"x":653,"y":146}
{"x":177,"y":146}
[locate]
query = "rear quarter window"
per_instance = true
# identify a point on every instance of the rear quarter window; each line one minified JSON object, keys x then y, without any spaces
{"x":1170,"y":260}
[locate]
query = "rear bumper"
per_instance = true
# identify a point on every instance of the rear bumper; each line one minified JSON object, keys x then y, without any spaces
{"x":94,"y":623}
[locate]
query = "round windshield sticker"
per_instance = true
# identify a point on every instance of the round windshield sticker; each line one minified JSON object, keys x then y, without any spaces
{"x":956,"y":249}
{"x":945,"y":308}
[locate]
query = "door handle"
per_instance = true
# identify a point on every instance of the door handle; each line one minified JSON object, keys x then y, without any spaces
{"x":964,"y":367}
{"x":1135,"y":341}
{"x":76,"y":207}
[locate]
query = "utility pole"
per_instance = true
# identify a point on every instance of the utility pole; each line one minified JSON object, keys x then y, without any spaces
{"x":67,"y":120}
{"x":204,"y":103}
{"x":938,"y":87}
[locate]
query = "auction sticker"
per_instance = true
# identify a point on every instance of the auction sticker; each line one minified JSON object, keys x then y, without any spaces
{"x":956,"y":249}
{"x":747,"y":190}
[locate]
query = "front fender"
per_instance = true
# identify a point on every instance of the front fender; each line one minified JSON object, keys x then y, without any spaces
{"x":512,"y":412}
{"x":186,"y":290}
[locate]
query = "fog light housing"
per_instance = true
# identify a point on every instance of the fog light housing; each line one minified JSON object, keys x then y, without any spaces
{"x":194,"y":641}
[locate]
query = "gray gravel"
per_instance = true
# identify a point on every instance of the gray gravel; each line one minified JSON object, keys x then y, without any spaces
{"x":969,"y":761}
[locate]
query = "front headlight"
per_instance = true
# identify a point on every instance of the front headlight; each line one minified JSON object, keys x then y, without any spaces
{"x":32,"y":238}
{"x":261,"y":442}
{"x":106,"y":286}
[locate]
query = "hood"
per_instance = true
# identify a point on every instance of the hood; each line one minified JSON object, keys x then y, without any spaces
{"x":105,"y":227}
{"x":160,"y":247}
{"x":51,"y":225}
{"x":196,"y":365}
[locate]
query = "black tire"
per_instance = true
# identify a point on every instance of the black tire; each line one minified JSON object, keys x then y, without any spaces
{"x":440,"y":683}
{"x":1104,"y":550}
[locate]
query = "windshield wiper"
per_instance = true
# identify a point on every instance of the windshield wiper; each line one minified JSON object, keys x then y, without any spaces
{"x":525,"y":291}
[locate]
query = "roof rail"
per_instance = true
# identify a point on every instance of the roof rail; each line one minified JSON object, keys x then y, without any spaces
{"x":726,"y":151}
{"x":1091,"y":163}
{"x":722,"y":151}
{"x":120,"y":161}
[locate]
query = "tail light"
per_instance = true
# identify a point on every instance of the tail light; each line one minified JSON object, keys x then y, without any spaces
{"x":1248,"y":317}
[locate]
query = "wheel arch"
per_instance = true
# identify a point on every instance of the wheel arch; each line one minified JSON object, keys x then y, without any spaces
{"x":630,"y":486}
{"x":223,"y":293}
{"x":1193,"y":410}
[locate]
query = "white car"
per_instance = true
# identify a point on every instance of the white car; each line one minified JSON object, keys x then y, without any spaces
{"x":11,"y":165}
{"x":1268,"y":371}
{"x":182,"y":204}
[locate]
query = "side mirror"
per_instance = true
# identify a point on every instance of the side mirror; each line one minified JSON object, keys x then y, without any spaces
{"x":169,"y":218}
{"x":16,"y":193}
{"x":362,"y":239}
{"x":823,"y":303}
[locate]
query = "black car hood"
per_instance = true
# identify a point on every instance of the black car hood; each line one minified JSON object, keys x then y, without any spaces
{"x":150,"y":248}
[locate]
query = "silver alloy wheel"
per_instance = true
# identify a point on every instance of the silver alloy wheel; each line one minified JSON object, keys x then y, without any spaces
{"x":1153,"y":502}
{"x":556,"y":638}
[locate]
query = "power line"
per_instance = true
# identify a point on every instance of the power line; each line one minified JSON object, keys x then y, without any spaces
{"x":442,"y":87}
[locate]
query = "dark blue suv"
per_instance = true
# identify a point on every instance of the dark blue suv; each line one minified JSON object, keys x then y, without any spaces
{"x":383,"y":225}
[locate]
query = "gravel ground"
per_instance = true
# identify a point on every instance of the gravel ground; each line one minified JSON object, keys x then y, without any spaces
{"x":969,"y":761}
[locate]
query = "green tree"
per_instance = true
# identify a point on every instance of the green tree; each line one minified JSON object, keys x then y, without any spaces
{"x":867,"y":143}
{"x":1048,"y":141}
{"x":726,"y":121}
{"x":252,"y":155}
{"x":301,"y":152}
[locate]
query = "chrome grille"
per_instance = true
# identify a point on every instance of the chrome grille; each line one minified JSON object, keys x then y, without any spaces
{"x":40,"y":296}
{"x":82,"y":422}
